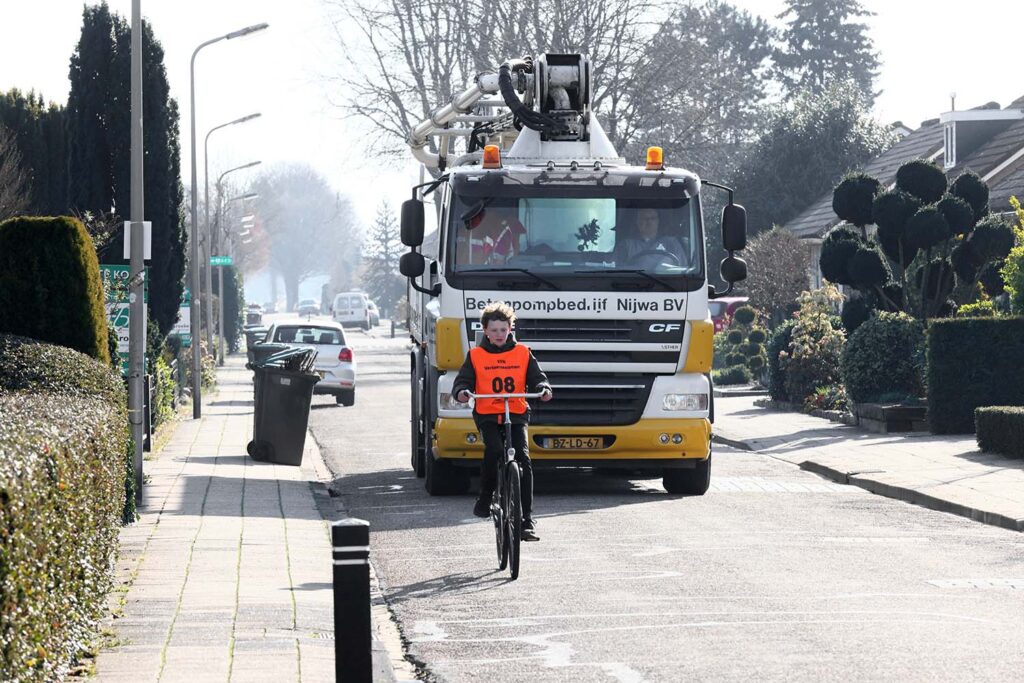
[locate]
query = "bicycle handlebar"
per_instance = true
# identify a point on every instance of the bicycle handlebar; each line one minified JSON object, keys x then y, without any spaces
{"x":472,"y":395}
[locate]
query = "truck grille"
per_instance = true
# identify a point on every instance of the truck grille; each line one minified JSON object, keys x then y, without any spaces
{"x":607,"y":399}
{"x":574,"y":330}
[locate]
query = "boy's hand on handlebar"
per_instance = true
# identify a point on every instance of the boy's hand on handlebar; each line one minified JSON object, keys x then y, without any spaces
{"x":546,"y":395}
{"x":462,"y":396}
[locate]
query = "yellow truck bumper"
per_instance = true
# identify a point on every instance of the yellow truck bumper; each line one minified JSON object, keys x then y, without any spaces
{"x":637,"y":442}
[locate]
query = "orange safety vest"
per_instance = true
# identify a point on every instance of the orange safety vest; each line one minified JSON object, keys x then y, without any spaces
{"x":500,"y":373}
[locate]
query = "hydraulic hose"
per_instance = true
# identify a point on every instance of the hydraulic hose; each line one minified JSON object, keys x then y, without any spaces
{"x":534,"y":120}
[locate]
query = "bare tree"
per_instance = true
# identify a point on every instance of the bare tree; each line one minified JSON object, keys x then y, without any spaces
{"x":411,"y":56}
{"x":777,"y":272}
{"x":13,"y":181}
{"x":308,"y":223}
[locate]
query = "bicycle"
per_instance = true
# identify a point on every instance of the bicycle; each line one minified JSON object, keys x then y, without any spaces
{"x":507,"y":504}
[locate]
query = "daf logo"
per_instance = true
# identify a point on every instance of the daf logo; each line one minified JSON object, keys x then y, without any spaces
{"x":476,"y":325}
{"x":664,"y":327}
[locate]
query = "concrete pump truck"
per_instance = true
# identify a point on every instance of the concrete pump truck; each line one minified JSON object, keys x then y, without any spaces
{"x":604,"y":264}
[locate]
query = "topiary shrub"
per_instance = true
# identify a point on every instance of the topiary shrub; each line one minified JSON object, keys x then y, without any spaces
{"x":958,"y":214}
{"x":972,"y":363}
{"x":50,"y":286}
{"x":969,"y":187}
{"x":992,"y":239}
{"x":778,"y":343}
{"x":64,"y":485}
{"x":923,"y":179}
{"x":885,"y":355}
{"x":757,"y":336}
{"x":735,"y":337}
{"x":852,"y":198}
{"x":855,"y":312}
{"x":838,"y":247}
{"x":926,"y":228}
{"x":1000,"y":430}
{"x":744,"y":315}
{"x":867,"y":268}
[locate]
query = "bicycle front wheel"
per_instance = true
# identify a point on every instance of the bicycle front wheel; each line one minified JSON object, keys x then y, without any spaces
{"x":514,"y":517}
{"x":500,"y":528}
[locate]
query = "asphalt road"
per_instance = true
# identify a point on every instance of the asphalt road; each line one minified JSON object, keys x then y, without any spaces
{"x":775,"y":574}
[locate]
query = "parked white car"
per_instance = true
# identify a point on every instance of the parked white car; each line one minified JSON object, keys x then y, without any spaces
{"x":334,"y":360}
{"x":352,"y":308}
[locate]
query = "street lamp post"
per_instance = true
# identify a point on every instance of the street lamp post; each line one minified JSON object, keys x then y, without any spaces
{"x":208,"y":235}
{"x":214,"y":244}
{"x":195,"y":265}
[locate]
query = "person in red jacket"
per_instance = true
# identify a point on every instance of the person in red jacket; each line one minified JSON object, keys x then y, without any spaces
{"x":500,"y":365}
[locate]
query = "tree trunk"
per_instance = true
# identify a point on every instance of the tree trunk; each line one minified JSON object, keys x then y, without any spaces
{"x":291,"y":291}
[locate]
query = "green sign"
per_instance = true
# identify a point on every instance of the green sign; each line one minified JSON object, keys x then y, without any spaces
{"x":221,"y":261}
{"x":115,"y":286}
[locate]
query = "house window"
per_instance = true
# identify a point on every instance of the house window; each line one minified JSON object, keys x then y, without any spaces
{"x":949,"y":145}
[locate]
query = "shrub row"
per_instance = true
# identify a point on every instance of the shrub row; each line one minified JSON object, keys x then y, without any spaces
{"x":972,"y":363}
{"x":1001,"y":430}
{"x":65,"y":481}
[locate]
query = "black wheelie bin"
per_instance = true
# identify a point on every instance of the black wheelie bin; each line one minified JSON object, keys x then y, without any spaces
{"x":284,"y":391}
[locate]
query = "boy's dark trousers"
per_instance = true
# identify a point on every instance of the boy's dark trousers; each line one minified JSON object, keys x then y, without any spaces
{"x":493,"y":434}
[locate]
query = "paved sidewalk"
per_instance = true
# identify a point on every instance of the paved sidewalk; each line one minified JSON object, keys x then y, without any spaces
{"x":228,"y":571}
{"x":945,"y":473}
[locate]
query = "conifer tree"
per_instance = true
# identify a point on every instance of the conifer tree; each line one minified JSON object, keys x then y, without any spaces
{"x":824,"y":42}
{"x":382,"y":281}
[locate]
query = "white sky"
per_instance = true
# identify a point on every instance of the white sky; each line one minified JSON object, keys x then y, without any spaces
{"x":279,"y":72}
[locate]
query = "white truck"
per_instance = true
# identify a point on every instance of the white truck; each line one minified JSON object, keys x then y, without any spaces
{"x":603,"y":262}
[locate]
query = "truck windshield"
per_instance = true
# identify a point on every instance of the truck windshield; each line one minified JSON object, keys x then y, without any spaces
{"x":564,"y":235}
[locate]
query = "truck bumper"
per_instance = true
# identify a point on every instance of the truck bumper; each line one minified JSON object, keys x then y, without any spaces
{"x":637,"y":445}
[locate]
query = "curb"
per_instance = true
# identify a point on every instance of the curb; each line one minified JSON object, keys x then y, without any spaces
{"x":913,"y":496}
{"x":734,"y":443}
{"x":389,"y":661}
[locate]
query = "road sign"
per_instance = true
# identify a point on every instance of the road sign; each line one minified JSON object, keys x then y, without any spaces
{"x":221,"y":260}
{"x":115,"y":285}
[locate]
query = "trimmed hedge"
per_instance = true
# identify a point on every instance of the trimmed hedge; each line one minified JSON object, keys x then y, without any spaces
{"x":973,"y":363}
{"x":50,"y":286}
{"x":885,"y":355}
{"x":778,"y":343}
{"x":737,"y":374}
{"x":64,"y":446}
{"x":1001,"y":430}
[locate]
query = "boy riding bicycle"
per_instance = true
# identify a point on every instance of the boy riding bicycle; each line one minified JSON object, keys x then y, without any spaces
{"x":500,"y":365}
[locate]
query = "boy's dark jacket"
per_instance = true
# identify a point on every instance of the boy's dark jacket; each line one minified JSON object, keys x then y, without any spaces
{"x":536,"y":380}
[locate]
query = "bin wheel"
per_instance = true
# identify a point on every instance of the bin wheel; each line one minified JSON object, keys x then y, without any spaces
{"x":259,"y":451}
{"x":346,"y":398}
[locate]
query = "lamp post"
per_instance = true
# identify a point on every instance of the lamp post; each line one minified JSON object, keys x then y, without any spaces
{"x":137,"y":306}
{"x":208,"y":235}
{"x":195,"y":265}
{"x":220,"y":269}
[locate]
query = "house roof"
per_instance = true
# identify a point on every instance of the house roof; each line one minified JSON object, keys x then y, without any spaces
{"x":925,"y":142}
{"x":920,"y":144}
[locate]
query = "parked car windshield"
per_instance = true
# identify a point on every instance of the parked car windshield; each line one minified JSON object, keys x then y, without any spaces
{"x":308,"y":335}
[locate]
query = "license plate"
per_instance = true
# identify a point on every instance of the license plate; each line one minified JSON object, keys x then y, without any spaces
{"x":574,"y":443}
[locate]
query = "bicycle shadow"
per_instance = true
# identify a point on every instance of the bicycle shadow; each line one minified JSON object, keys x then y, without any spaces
{"x":462,"y":583}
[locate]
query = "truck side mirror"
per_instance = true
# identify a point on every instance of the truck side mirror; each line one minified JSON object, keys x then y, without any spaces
{"x":733,"y":269}
{"x":413,"y":263}
{"x":412,"y":223}
{"x":734,"y":228}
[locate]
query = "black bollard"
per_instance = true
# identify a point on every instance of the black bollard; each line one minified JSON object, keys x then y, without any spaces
{"x":353,"y":657}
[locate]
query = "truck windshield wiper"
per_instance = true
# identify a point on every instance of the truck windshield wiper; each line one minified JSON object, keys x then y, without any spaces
{"x":627,"y":271}
{"x":536,"y":277}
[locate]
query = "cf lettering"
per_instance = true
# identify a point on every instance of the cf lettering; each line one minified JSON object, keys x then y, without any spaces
{"x":664,"y":327}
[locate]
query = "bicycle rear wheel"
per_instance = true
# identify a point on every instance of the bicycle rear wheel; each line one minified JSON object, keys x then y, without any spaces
{"x":514,"y":517}
{"x":500,"y":528}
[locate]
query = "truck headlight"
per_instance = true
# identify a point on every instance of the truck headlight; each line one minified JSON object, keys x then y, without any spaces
{"x":448,"y":402}
{"x":685,"y":402}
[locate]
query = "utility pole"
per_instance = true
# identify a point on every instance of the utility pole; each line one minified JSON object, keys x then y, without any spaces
{"x":136,"y":297}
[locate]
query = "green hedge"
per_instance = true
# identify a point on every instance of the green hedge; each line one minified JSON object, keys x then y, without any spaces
{"x":778,"y":343}
{"x":972,"y":363}
{"x":738,"y":374}
{"x":884,"y":355}
{"x":64,"y":447}
{"x":1001,"y":430}
{"x":50,"y":285}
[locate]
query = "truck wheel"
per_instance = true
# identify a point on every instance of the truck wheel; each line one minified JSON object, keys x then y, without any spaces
{"x":443,"y":478}
{"x":688,"y":482}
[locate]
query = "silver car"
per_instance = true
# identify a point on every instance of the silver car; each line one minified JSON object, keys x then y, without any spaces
{"x":334,"y":360}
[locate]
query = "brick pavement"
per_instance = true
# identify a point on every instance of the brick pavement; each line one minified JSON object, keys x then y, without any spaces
{"x":945,"y":473}
{"x":227,"y":575}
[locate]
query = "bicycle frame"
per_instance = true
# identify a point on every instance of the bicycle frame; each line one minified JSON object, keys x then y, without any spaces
{"x":507,"y":538}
